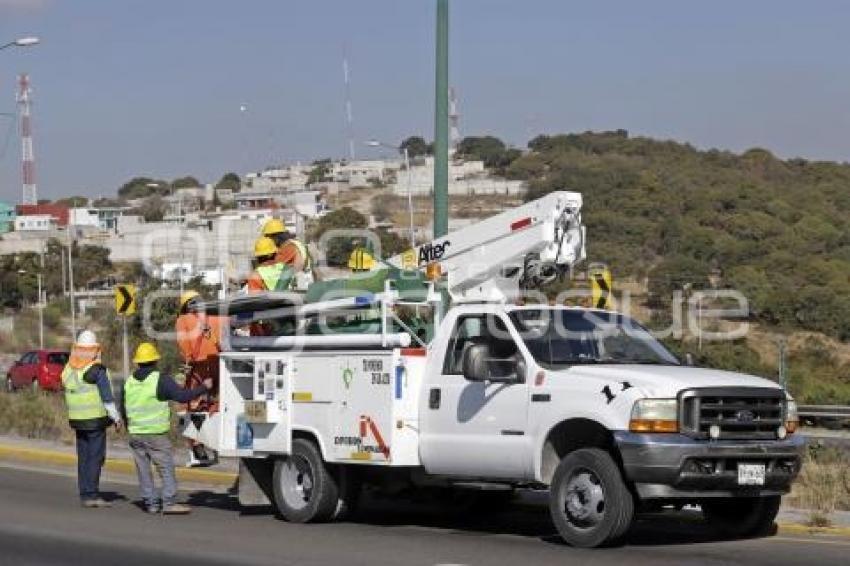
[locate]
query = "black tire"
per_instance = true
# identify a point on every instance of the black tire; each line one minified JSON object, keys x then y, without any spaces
{"x":304,"y":489}
{"x":588,"y":500}
{"x":742,"y":517}
{"x":350,"y":489}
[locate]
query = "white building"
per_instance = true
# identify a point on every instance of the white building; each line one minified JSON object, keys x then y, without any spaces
{"x":280,"y":179}
{"x":34,"y":223}
{"x":103,"y":218}
{"x":363,"y":172}
{"x":468,"y":178}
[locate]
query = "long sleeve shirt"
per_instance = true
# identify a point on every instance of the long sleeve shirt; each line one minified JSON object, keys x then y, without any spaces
{"x":97,"y":375}
{"x":166,"y":389}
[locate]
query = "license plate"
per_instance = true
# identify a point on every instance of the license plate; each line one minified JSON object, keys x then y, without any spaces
{"x":750,"y":474}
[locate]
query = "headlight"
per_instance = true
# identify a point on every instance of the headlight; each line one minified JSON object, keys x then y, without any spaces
{"x":792,"y":419}
{"x":655,"y":415}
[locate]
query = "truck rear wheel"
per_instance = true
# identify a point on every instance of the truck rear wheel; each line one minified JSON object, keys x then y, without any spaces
{"x":588,"y":500}
{"x":742,"y":517}
{"x":304,"y":489}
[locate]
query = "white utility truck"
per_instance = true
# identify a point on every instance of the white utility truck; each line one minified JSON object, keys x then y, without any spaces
{"x":400,"y":381}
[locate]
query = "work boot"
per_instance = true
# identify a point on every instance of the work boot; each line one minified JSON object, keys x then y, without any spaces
{"x":176,"y":509}
{"x":152,"y":508}
{"x":96,"y":503}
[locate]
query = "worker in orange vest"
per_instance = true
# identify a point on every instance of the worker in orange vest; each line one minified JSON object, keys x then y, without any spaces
{"x":292,"y":252}
{"x":271,"y":274}
{"x":199,"y":339}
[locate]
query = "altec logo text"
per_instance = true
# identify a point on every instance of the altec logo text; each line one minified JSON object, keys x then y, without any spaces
{"x":432,"y":252}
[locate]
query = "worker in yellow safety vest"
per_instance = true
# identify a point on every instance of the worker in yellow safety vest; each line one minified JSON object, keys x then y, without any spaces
{"x":146,"y":399}
{"x":270,"y":273}
{"x":91,"y":410}
{"x":290,"y":250}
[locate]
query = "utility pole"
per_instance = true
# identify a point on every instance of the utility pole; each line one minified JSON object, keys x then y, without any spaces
{"x":40,"y":313}
{"x":71,"y":282}
{"x":441,"y":123}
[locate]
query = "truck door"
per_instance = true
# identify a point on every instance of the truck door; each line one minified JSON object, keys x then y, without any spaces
{"x":476,"y":428}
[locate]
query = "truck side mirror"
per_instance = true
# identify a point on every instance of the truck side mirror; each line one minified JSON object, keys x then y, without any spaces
{"x":479,"y":365}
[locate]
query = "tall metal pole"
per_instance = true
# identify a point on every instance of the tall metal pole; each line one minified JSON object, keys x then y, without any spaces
{"x":410,"y":198}
{"x":441,"y":123}
{"x":125,"y":347}
{"x":40,"y":314}
{"x":71,"y":283}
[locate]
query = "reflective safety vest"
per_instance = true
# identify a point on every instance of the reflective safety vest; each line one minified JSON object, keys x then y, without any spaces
{"x":145,"y":413}
{"x":276,"y":277}
{"x":302,"y":249}
{"x":83,"y":399}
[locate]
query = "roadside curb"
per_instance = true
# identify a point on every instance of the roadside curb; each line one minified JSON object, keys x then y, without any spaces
{"x":801,"y":529}
{"x":57,"y":458}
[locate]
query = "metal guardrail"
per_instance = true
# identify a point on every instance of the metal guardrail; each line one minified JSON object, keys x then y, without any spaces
{"x":824,"y":411}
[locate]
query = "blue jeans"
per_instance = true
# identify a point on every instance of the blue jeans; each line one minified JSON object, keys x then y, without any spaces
{"x":154,"y":449}
{"x":91,"y":454}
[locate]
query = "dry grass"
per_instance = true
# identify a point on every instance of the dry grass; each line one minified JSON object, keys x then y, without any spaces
{"x":34,"y":415}
{"x":823,"y":486}
{"x":43,"y":416}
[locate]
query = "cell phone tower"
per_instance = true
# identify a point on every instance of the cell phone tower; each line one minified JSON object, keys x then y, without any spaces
{"x":454,"y":121}
{"x":30,"y":195}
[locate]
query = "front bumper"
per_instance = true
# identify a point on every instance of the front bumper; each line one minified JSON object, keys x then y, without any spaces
{"x":675,"y":466}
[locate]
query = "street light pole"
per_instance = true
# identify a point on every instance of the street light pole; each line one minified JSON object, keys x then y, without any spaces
{"x":40,"y":314}
{"x":39,"y":306}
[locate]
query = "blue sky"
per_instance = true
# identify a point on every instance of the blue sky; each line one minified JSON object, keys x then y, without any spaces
{"x":154,"y":87}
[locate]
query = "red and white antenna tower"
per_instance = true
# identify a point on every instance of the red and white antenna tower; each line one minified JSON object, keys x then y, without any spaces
{"x":28,"y":160}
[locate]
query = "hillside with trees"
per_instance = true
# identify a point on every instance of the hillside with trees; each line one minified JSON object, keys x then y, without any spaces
{"x":778,"y":230}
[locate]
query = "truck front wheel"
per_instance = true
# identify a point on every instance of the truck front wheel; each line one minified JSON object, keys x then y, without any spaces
{"x":588,"y":500}
{"x":742,"y":517}
{"x":304,"y":489}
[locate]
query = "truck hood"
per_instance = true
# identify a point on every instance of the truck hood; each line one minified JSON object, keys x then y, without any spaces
{"x":663,"y":380}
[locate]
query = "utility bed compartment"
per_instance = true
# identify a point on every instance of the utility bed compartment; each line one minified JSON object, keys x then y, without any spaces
{"x":362,"y":406}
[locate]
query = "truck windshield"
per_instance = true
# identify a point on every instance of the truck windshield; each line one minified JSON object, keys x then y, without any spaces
{"x":557,"y":337}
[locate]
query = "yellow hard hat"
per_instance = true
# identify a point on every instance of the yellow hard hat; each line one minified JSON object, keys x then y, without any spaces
{"x":146,"y":352}
{"x":274,"y":226}
{"x":264,"y":246}
{"x":188,"y":296}
{"x":361,"y":260}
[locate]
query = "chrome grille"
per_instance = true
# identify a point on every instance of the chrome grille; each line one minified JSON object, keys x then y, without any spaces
{"x":740,"y":412}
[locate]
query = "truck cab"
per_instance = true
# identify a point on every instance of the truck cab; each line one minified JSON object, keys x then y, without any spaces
{"x":517,"y":392}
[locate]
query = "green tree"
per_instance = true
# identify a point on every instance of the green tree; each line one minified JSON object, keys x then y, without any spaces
{"x":229,"y":181}
{"x":153,"y":209}
{"x":339,"y":248}
{"x":141,"y":187}
{"x":187,"y":182}
{"x":489,"y":149}
{"x":416,"y":146}
{"x":320,"y":172}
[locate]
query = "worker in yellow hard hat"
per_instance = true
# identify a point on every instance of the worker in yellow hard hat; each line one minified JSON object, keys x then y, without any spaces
{"x":290,"y":250}
{"x":271,"y":274}
{"x":199,"y":337}
{"x":146,"y":397}
{"x":361,"y":260}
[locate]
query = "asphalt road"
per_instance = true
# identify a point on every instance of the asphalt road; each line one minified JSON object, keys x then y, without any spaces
{"x":41,"y":522}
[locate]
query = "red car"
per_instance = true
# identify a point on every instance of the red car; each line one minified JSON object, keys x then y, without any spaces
{"x":38,"y":369}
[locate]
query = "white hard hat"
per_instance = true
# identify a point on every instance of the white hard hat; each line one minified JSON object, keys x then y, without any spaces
{"x":86,"y":338}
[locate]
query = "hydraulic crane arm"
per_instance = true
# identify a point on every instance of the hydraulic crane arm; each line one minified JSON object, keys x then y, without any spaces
{"x":522,"y":248}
